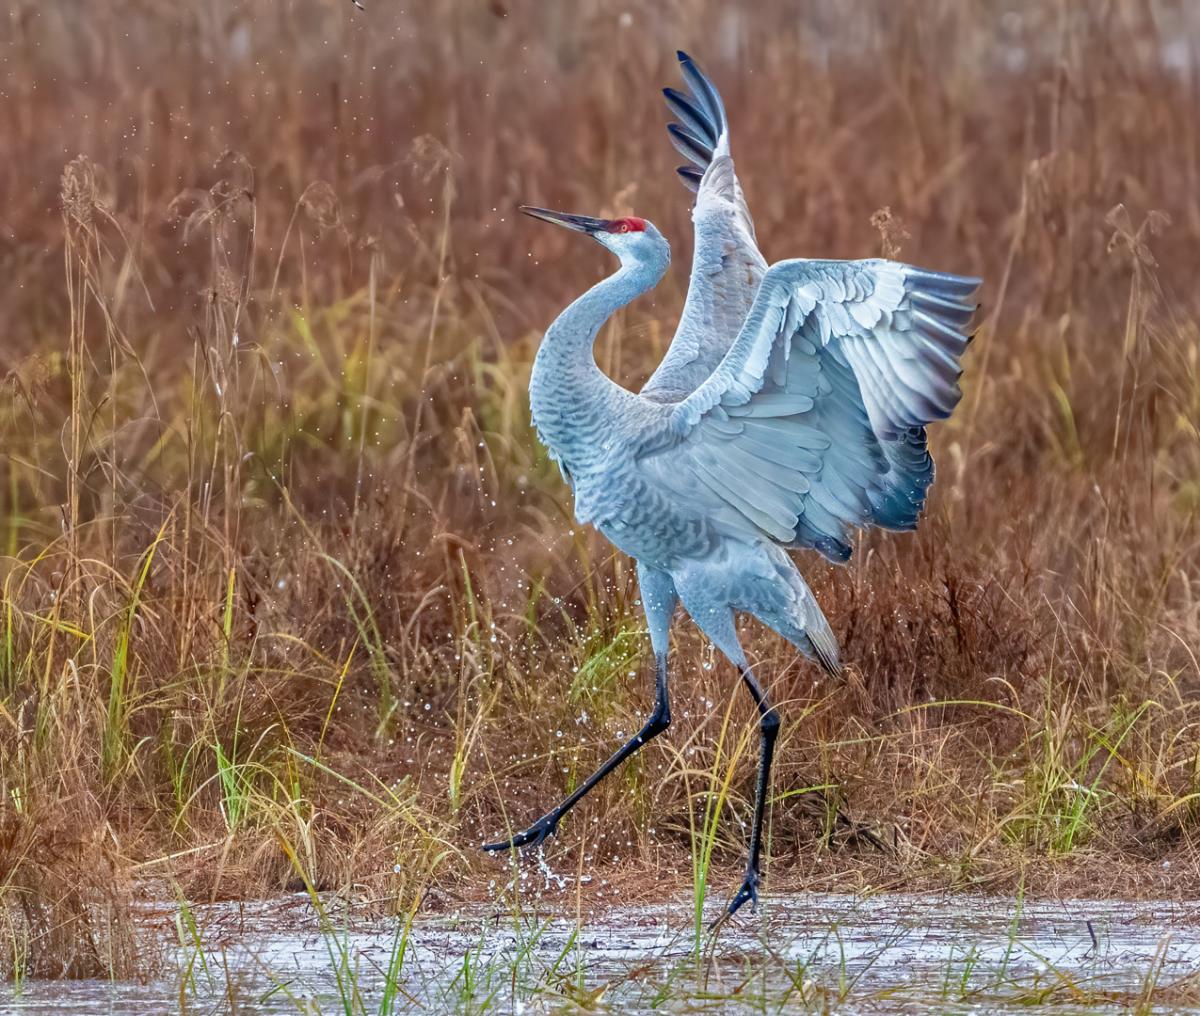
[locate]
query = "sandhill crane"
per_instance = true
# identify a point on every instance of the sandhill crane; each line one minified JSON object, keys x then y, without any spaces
{"x":791,"y":405}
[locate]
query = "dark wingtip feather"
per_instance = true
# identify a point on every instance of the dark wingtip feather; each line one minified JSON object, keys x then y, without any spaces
{"x":898,"y":500}
{"x":944,"y":284}
{"x":690,"y":176}
{"x":978,"y":328}
{"x":689,"y":146}
{"x":831,"y":547}
{"x":691,"y":116}
{"x":706,"y":94}
{"x":702,"y":115}
{"x":952,"y":311}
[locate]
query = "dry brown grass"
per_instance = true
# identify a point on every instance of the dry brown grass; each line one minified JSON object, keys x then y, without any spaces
{"x":289,"y":591}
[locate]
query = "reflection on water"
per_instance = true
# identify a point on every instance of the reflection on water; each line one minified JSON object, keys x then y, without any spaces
{"x":887,"y":953}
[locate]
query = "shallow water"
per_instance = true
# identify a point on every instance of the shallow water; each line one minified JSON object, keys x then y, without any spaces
{"x":880,"y":954}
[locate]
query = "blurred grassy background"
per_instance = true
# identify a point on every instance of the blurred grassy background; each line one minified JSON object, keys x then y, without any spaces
{"x":290,"y":593}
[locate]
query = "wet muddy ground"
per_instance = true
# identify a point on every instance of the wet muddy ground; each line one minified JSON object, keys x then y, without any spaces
{"x":818,"y":953}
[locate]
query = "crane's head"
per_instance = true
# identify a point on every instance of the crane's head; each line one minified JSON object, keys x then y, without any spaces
{"x":631,"y":239}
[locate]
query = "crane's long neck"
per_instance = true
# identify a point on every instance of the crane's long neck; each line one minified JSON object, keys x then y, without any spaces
{"x":574,"y":404}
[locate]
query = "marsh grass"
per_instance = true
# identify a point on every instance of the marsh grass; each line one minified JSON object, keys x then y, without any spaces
{"x":292,"y":597}
{"x":858,"y":955}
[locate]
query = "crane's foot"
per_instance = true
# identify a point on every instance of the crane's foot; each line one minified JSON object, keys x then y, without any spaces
{"x":748,"y":893}
{"x":533,"y":836}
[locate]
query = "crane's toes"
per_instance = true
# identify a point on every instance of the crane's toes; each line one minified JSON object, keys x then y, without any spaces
{"x":533,"y":836}
{"x":748,"y":893}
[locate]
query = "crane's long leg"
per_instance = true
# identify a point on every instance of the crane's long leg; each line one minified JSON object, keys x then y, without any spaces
{"x":658,"y":721}
{"x":768,"y":726}
{"x":658,"y":601}
{"x":716,"y":620}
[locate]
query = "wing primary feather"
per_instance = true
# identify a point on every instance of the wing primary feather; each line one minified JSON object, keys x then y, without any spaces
{"x":692,"y":118}
{"x":941,"y":333}
{"x":941,"y":283}
{"x":691,"y":177}
{"x":689,"y":146}
{"x":703,"y":90}
{"x":918,"y":401}
{"x":951,"y":311}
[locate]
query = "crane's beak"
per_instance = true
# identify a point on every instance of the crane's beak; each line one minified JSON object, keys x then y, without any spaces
{"x":579,"y":223}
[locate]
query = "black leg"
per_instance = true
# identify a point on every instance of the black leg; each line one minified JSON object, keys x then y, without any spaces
{"x":659,"y":720}
{"x":768,"y":726}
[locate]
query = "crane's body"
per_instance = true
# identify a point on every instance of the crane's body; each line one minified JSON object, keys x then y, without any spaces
{"x":791,"y":406}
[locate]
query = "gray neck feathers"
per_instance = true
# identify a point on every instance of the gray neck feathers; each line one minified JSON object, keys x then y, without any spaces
{"x":574,"y":404}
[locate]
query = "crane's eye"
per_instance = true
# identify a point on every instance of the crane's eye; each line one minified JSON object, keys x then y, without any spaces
{"x":626,"y":225}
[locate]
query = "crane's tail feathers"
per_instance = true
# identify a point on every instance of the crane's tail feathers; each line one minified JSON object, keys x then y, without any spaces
{"x":827,"y":656}
{"x":824,"y":644}
{"x":702,"y":121}
{"x":789,"y":607}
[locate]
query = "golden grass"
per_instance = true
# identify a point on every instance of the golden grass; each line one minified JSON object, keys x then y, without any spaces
{"x":291,"y":596}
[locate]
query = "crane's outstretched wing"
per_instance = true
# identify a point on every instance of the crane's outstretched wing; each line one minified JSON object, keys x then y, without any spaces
{"x":726,"y":266}
{"x":815,"y":419}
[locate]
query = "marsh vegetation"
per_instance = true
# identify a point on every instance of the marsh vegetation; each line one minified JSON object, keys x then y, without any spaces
{"x":292,"y":600}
